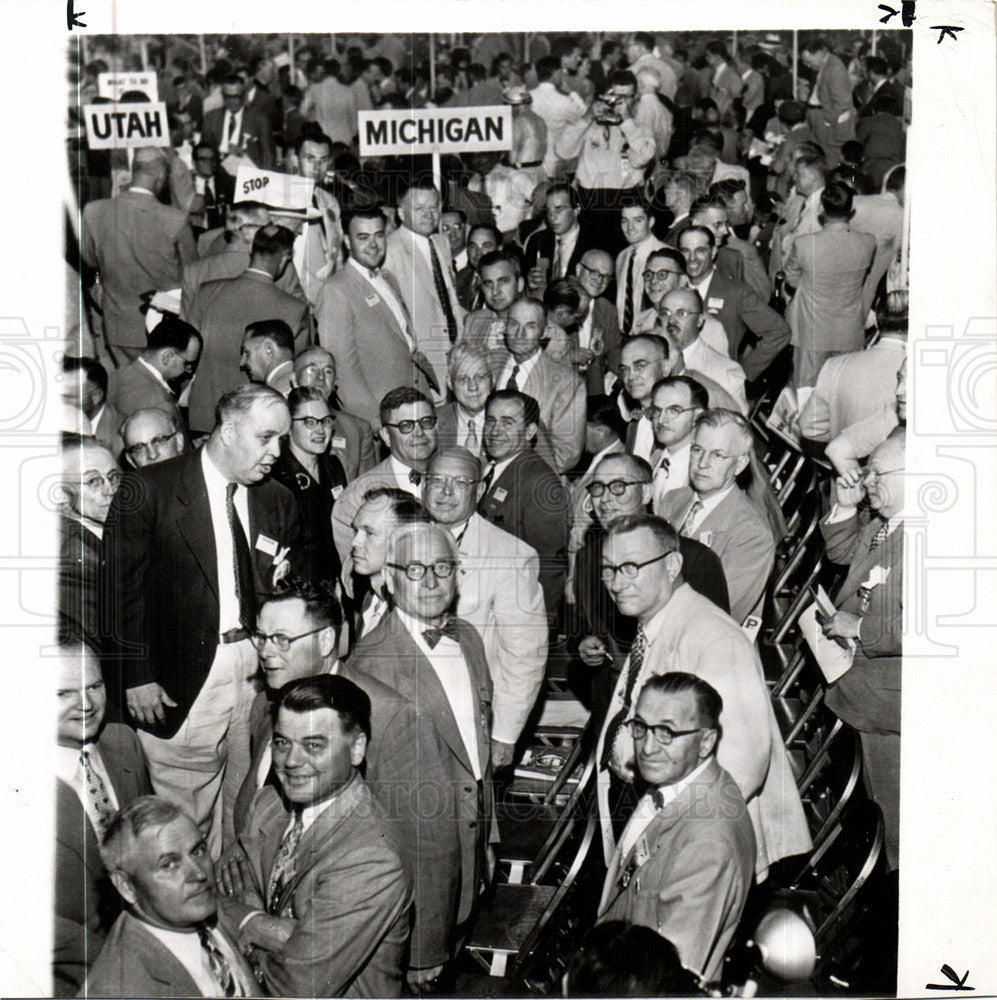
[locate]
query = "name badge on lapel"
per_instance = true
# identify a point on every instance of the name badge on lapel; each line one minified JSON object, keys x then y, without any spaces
{"x":338,"y":441}
{"x":336,"y":491}
{"x":372,"y":299}
{"x":714,"y":304}
{"x":267,"y":545}
{"x":500,"y":494}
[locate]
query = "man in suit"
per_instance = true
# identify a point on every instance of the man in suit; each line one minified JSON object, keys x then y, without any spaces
{"x":263,"y":94}
{"x":501,"y":285}
{"x":679,"y":629}
{"x":268,"y":354}
{"x":498,"y":593}
{"x":685,"y":860}
{"x":879,"y":85}
{"x":90,"y":478}
{"x":239,"y":130}
{"x":676,"y":404}
{"x":439,"y":773}
{"x":523,"y":494}
{"x":737,"y":257}
{"x":599,"y":327}
{"x":644,"y":360}
{"x":831,"y":110}
{"x":717,"y":512}
{"x":135,"y":244}
{"x":223,"y":309}
{"x":86,"y":409}
{"x":214,"y":190}
{"x":882,"y":215}
{"x":682,"y":311}
{"x":152,"y":436}
{"x":365,"y":323}
{"x":471,"y":381}
{"x":636,"y":223}
{"x":828,"y":270}
{"x":99,"y":769}
{"x":557,"y":388}
{"x":352,"y":436}
{"x":419,"y":258}
{"x":408,"y":430}
{"x":869,"y":616}
{"x":735,"y":304}
{"x":555,"y":249}
{"x":481,"y":239}
{"x":326,"y":904}
{"x":171,"y":352}
{"x":725,"y":81}
{"x":183,"y":567}
{"x":172,"y":940}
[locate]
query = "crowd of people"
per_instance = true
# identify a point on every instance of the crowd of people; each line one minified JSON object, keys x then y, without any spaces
{"x":343,"y":483}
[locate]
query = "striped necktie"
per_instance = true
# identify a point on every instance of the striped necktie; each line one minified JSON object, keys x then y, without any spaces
{"x":615,"y":727}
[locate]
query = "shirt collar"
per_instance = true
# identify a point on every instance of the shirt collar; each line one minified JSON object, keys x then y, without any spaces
{"x":279,"y":368}
{"x":157,"y":374}
{"x":141,"y":190}
{"x":714,"y":501}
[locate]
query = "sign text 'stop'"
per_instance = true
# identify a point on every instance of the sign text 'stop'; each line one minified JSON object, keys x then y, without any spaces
{"x":435,"y":130}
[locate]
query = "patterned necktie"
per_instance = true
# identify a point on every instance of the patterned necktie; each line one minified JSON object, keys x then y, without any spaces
{"x":221,"y":971}
{"x":283,"y":866}
{"x":415,"y":477}
{"x":471,"y":441}
{"x":512,"y":383}
{"x":97,"y":794}
{"x":615,"y":727}
{"x":555,"y":266}
{"x":628,"y":296}
{"x":448,"y":629}
{"x":442,"y":294}
{"x":690,"y":518}
{"x":880,"y":536}
{"x":243,"y":563}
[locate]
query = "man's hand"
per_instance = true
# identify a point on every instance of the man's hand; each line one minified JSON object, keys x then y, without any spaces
{"x":843,"y":624}
{"x":266,"y":932}
{"x":592,"y":651}
{"x":536,"y":277}
{"x":502,"y":754}
{"x":146,"y":703}
{"x":419,"y":977}
{"x":232,"y":873}
{"x":849,"y":490}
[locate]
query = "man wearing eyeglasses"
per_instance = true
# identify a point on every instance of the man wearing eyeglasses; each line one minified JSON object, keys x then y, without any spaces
{"x":599,"y":325}
{"x":437,"y":664}
{"x":644,"y":360}
{"x":679,"y":629}
{"x":408,"y":429}
{"x":869,"y":617}
{"x":499,"y":593}
{"x":676,"y":403}
{"x":685,"y":860}
{"x":237,"y":129}
{"x":155,"y":377}
{"x":152,"y":436}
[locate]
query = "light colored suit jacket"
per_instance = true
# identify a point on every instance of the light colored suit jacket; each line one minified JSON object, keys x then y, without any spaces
{"x":134,"y":387}
{"x":137,"y":245}
{"x":883,"y":216}
{"x":414,"y":275}
{"x":560,"y":392}
{"x":737,"y":531}
{"x":499,"y":594}
{"x":373,"y":355}
{"x":135,"y":963}
{"x":689,"y":873}
{"x":691,"y":633}
{"x":349,"y":895}
{"x":639,"y":255}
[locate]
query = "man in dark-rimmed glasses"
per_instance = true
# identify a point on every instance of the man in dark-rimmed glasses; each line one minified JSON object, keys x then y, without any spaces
{"x":685,"y":860}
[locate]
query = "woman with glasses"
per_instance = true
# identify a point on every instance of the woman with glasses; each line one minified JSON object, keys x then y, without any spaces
{"x":316,"y":478}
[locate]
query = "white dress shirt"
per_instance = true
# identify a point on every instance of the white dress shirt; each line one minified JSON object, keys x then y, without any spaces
{"x":447,"y":661}
{"x":216,"y":483}
{"x":383,"y":289}
{"x":69,"y":768}
{"x":644,"y":442}
{"x":185,"y":946}
{"x":675,"y":478}
{"x":227,"y":127}
{"x":709,"y":504}
{"x":401,"y":471}
{"x":525,"y":367}
{"x":569,"y":241}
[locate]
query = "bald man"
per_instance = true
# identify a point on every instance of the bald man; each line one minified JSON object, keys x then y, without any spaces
{"x":599,"y":329}
{"x":152,"y":436}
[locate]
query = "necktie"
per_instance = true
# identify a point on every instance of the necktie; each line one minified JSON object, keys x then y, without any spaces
{"x":442,"y":294}
{"x":283,"y":866}
{"x":220,"y":969}
{"x":471,"y":441}
{"x":97,"y":794}
{"x":414,"y":477}
{"x":433,"y":635}
{"x":231,"y":128}
{"x":512,"y":383}
{"x":475,"y":293}
{"x":628,"y":296}
{"x":879,"y":537}
{"x":487,"y":479}
{"x":243,"y":563}
{"x":555,"y":266}
{"x":690,"y":518}
{"x":615,"y":727}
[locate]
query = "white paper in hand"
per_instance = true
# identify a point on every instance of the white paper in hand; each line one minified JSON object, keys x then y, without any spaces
{"x":833,"y":659}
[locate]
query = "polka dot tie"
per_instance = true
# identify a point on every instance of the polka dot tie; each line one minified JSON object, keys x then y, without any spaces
{"x":97,"y":794}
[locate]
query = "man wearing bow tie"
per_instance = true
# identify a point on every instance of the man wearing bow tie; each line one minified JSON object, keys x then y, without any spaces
{"x":684,"y":862}
{"x":441,"y":770}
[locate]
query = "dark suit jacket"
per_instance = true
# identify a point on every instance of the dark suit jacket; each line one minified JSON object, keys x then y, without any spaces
{"x":221,"y":311}
{"x":423,"y":770}
{"x":349,"y":895}
{"x":541,"y":244}
{"x":868,"y":695}
{"x":530,"y":501}
{"x":256,"y":131}
{"x":600,"y":616}
{"x":160,"y":575}
{"x":134,"y":963}
{"x":86,"y":904}
{"x":79,"y":560}
{"x":890,"y":91}
{"x":466,"y":293}
{"x":134,"y":387}
{"x":742,"y":311}
{"x":373,"y":355}
{"x":605,"y":326}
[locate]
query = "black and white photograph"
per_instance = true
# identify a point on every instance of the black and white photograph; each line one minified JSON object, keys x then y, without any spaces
{"x":487,"y":484}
